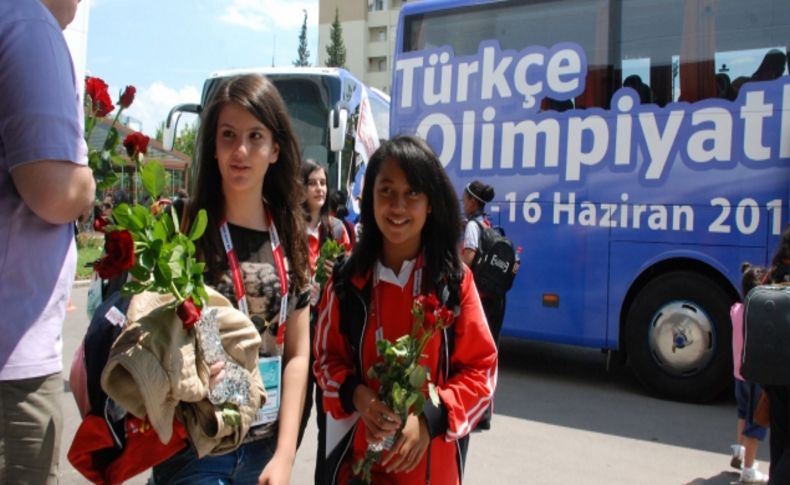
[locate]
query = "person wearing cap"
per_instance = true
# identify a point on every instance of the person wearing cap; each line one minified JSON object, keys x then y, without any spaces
{"x":475,"y":197}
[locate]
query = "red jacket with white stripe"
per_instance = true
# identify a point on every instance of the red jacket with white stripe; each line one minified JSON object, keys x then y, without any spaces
{"x":465,"y":390}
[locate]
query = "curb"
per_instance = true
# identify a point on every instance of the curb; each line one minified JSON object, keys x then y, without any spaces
{"x":81,"y":283}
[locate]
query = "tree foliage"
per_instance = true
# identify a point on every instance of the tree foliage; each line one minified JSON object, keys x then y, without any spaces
{"x":185,"y":140}
{"x":303,"y":54}
{"x":336,"y":50}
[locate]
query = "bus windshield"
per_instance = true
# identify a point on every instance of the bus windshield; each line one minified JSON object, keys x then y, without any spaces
{"x":309,"y":100}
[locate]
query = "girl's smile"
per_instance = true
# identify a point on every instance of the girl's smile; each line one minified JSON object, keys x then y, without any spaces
{"x":400,"y":213}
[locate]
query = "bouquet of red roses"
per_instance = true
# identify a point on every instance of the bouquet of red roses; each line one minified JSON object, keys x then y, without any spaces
{"x":401,"y":375}
{"x":146,"y":242}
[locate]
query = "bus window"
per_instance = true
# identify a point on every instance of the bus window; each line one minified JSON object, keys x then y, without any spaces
{"x":381,"y":114}
{"x":519,"y":24}
{"x":308,"y":115}
{"x":697,"y":49}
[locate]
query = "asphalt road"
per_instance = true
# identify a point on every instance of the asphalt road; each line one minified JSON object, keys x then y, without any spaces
{"x":560,"y":419}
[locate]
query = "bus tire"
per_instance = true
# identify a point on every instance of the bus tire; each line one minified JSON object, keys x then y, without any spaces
{"x":678,"y":337}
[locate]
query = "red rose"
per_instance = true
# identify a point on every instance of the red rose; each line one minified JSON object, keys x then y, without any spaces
{"x":119,"y":257}
{"x":136,"y":143}
{"x":188,"y":313}
{"x":429,"y":303}
{"x":429,"y":320}
{"x":104,"y":269}
{"x":99,"y":223}
{"x":127,"y":97}
{"x":445,"y":315}
{"x":96,"y":91}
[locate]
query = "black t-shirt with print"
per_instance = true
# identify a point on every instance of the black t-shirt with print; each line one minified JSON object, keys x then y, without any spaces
{"x":261,"y":283}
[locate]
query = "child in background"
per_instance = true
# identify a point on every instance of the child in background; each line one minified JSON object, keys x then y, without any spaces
{"x":337,"y":201}
{"x":321,"y":225}
{"x":779,"y":395}
{"x":746,"y":393}
{"x":476,"y":195}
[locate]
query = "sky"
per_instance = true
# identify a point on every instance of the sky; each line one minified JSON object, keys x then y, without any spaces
{"x":167,"y":48}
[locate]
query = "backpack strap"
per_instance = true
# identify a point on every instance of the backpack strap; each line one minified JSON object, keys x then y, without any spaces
{"x":353,"y":317}
{"x":448,"y":292}
{"x":480,"y":239}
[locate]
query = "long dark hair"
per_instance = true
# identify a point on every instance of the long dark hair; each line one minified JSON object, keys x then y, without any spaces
{"x":282,"y":189}
{"x":780,"y":264}
{"x":480,"y":193}
{"x":325,"y":229}
{"x":442,"y":230}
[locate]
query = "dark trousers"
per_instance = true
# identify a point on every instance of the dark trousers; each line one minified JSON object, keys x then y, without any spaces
{"x":494,"y":309}
{"x":779,"y":404}
{"x":320,"y":418}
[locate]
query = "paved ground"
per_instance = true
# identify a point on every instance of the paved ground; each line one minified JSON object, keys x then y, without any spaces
{"x":561,"y":419}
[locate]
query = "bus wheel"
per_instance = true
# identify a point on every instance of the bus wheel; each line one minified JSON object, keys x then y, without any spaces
{"x":678,"y":337}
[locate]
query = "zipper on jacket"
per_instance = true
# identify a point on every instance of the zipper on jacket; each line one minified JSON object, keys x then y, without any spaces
{"x":343,"y":455}
{"x":428,"y":464}
{"x":362,"y":333}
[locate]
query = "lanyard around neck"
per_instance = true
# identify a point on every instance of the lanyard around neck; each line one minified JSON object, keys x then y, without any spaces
{"x":238,"y":280}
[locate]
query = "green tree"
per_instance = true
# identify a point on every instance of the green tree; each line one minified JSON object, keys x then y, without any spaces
{"x":185,"y":140}
{"x":336,"y":50}
{"x":303,"y":58}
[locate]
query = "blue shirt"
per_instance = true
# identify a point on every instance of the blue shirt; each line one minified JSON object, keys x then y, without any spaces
{"x":40,"y":119}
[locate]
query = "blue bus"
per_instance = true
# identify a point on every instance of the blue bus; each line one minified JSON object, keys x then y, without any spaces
{"x":639,"y":150}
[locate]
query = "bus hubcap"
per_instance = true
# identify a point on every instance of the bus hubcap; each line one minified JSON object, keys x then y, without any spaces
{"x":681,"y":338}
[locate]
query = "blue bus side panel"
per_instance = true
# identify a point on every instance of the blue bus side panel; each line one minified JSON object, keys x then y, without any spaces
{"x":555,"y":260}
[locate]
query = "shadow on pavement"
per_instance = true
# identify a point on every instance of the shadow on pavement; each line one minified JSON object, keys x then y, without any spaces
{"x":570,"y":386}
{"x":723,"y":478}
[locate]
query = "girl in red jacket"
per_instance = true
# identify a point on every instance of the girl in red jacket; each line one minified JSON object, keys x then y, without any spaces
{"x":411,"y":223}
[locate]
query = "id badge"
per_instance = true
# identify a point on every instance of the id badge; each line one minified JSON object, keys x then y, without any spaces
{"x":271,"y":374}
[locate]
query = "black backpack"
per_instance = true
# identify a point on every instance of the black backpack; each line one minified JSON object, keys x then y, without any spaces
{"x":766,"y":335}
{"x":494,"y":261}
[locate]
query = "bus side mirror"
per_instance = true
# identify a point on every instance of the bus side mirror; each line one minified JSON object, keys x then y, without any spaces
{"x":171,"y":123}
{"x":338,"y":121}
{"x":169,"y":134}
